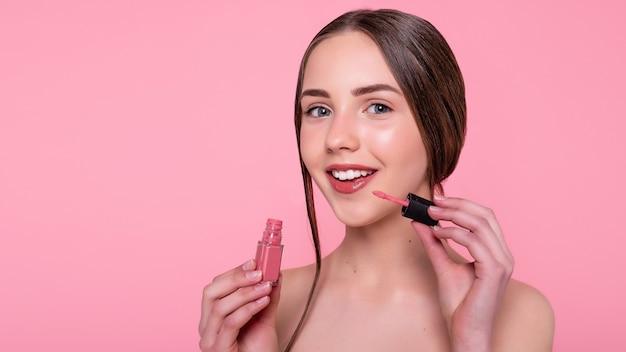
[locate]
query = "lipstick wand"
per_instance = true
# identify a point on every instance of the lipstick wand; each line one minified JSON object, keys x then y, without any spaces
{"x":383,"y":195}
{"x":414,"y":207}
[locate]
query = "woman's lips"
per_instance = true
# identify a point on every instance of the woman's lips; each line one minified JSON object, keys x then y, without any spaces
{"x":349,"y":186}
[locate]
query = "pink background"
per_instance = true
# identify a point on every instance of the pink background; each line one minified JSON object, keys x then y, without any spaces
{"x":143,"y":144}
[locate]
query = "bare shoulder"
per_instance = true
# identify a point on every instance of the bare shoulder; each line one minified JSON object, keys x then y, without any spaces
{"x":525,"y":321}
{"x":295,"y":287}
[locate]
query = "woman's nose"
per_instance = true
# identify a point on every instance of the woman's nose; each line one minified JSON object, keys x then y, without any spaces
{"x":342,"y":133}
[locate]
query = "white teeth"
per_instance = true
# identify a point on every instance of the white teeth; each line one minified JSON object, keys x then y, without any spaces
{"x":350,"y":174}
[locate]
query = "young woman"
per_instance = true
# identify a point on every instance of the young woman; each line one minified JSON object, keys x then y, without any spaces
{"x":380,"y":105}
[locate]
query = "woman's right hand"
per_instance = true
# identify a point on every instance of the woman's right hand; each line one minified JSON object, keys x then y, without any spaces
{"x":239,"y":312}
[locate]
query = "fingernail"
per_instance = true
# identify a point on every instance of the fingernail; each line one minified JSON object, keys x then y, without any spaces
{"x":253,"y":275}
{"x":249,"y":265}
{"x":439,"y":197}
{"x":435,"y":208}
{"x":263,"y":286}
{"x":263,"y":300}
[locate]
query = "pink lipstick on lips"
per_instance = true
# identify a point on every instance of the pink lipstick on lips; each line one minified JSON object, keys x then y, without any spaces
{"x":349,"y":178}
{"x":413,"y":207}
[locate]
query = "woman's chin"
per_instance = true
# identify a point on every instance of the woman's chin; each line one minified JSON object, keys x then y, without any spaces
{"x":359,"y":218}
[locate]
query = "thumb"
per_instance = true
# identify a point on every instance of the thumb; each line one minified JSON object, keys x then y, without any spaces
{"x":433,"y":246}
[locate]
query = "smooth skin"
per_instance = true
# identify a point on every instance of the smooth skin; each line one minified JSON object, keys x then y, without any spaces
{"x":392,"y":284}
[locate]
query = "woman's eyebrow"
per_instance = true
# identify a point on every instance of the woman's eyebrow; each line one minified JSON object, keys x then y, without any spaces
{"x":374,"y":88}
{"x":316,"y":93}
{"x":355,"y":92}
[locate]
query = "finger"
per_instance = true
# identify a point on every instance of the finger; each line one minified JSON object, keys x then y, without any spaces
{"x":225,"y":284}
{"x":472,"y":227}
{"x":222,"y":285}
{"x":228,"y":305}
{"x":486,"y":263}
{"x":229,"y":330}
{"x":480,"y":211}
{"x":473,"y":217}
{"x":434,"y":248}
{"x":231,"y":280}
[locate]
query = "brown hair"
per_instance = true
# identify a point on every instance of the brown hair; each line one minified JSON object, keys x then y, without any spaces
{"x":427,"y":72}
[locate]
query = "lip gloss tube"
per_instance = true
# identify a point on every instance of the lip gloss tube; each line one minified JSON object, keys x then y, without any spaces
{"x":269,"y":251}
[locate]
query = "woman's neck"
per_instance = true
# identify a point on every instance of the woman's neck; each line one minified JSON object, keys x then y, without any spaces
{"x":387,"y":252}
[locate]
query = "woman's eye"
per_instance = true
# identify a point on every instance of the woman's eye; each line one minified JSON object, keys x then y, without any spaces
{"x":378,"y":109}
{"x":318,"y":111}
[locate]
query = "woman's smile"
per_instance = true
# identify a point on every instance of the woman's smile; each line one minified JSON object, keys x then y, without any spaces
{"x":349,"y":178}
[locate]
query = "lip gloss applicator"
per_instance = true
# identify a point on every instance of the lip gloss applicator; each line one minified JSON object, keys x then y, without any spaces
{"x":413,"y":207}
{"x":269,"y":251}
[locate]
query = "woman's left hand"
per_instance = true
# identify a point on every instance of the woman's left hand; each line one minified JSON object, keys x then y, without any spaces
{"x":469,"y":293}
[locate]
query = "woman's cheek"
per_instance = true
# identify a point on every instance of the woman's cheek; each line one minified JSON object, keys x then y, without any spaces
{"x":387,"y":137}
{"x":382,"y":139}
{"x":309,"y":149}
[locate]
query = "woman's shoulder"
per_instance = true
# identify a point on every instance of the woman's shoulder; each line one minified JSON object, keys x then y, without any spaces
{"x":525,"y":319}
{"x":298,"y":276}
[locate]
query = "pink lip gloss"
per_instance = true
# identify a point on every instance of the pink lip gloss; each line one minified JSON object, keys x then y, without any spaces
{"x":269,"y":251}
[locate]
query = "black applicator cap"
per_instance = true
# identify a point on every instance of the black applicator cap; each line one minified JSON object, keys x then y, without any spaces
{"x":418,"y":210}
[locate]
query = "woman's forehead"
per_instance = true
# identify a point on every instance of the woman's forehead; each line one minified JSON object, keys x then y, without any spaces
{"x":347,"y":59}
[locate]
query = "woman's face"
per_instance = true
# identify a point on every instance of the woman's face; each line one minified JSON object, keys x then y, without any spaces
{"x":358,"y":133}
